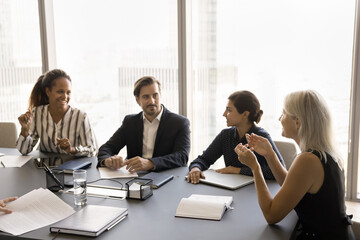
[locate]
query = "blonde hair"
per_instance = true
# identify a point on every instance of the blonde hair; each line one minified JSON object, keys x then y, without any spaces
{"x":316,"y":131}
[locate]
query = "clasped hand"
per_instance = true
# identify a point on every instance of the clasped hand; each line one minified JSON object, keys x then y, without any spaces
{"x":65,"y":145}
{"x":255,"y":143}
{"x":133,"y":165}
{"x":245,"y":155}
{"x":259,"y":144}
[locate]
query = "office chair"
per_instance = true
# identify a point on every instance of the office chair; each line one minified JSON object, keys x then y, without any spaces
{"x":288,"y":151}
{"x":8,"y":134}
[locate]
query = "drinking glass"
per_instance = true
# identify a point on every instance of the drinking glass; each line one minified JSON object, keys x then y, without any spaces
{"x":79,"y":187}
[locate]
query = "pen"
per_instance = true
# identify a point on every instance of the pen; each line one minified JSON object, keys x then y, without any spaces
{"x":2,"y":164}
{"x":48,"y":171}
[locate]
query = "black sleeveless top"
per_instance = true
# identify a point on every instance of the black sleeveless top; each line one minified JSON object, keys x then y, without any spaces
{"x":323,"y":215}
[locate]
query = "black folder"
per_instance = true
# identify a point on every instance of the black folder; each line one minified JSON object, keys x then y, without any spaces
{"x":70,"y":166}
{"x":158,"y":179}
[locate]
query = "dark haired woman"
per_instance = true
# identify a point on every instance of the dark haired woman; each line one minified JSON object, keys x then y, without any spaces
{"x":50,"y":118}
{"x":241,"y":113}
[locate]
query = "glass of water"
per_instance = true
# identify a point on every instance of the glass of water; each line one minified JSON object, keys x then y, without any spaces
{"x":79,"y":187}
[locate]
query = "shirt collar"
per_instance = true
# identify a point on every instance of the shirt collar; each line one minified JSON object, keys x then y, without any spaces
{"x":251,"y":130}
{"x":158,"y":117}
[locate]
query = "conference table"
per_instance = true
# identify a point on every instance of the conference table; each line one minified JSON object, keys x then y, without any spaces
{"x":154,"y":218}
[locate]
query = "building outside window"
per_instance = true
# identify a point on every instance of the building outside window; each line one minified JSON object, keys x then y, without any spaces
{"x":270,"y":48}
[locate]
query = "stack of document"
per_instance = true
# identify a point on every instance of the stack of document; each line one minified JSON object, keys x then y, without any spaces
{"x":204,"y":206}
{"x":34,"y":210}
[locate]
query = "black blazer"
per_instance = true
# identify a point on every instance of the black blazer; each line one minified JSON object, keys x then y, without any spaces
{"x":172,"y":143}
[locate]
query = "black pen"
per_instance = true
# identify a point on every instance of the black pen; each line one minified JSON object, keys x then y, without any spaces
{"x":48,"y":171}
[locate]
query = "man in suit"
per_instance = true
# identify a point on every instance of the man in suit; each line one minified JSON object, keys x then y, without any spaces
{"x":156,"y":139}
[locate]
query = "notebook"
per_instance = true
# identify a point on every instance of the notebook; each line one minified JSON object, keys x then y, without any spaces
{"x":92,"y":220}
{"x":70,"y":166}
{"x":158,"y":179}
{"x":229,"y":181}
{"x":204,"y":206}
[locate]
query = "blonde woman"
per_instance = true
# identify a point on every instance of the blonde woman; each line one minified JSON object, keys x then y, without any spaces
{"x":314,"y":185}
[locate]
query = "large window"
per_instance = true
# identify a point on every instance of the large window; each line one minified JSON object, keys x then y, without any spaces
{"x":105,"y":46}
{"x":268,"y":47}
{"x":20,"y":55}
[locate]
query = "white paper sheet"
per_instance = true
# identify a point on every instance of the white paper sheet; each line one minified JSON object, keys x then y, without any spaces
{"x":102,"y":191}
{"x":34,"y":210}
{"x":106,"y":173}
{"x":14,"y":161}
{"x":212,"y":198}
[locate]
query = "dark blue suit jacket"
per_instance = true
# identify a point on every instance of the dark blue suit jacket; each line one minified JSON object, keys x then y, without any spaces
{"x":172,"y":143}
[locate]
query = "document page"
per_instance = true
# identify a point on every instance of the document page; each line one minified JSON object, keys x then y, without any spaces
{"x":212,"y":198}
{"x":14,"y":161}
{"x":106,"y":173}
{"x":34,"y":210}
{"x":102,"y":191}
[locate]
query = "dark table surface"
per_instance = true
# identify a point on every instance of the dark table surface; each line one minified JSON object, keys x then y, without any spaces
{"x":153,"y":218}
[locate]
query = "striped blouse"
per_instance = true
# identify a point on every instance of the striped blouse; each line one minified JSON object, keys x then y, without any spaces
{"x":75,"y":126}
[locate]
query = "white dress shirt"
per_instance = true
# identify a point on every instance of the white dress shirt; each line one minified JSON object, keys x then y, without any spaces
{"x":149,"y":135}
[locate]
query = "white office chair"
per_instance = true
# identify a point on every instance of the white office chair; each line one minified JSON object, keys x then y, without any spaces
{"x":8,"y":134}
{"x":288,"y":151}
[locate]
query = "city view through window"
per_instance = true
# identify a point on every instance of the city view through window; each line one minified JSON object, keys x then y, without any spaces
{"x":269,"y":48}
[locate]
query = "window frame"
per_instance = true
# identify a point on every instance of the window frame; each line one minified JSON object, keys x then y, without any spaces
{"x":46,"y":19}
{"x":354,"y":118}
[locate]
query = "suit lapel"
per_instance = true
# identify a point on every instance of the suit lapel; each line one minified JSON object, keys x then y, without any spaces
{"x":139,"y":133}
{"x":161,"y":129}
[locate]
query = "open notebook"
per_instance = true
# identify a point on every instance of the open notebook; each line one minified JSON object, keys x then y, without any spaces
{"x":229,"y":181}
{"x":204,"y":206}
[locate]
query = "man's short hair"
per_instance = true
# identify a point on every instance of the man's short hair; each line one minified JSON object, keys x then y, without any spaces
{"x":145,"y":81}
